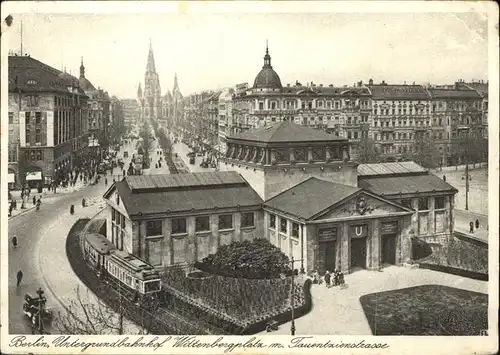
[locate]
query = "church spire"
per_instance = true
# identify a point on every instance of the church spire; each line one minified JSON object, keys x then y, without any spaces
{"x":82,"y":69}
{"x":150,"y":67}
{"x":139,"y":91}
{"x":267,"y":58}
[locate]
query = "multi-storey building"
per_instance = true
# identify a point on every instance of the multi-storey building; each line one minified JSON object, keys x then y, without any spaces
{"x":456,"y":113}
{"x":150,"y":102}
{"x":482,"y":88}
{"x":48,"y":121}
{"x":225,"y":117}
{"x":399,"y":114}
{"x":99,"y":110}
{"x":345,"y":111}
{"x":131,"y":112}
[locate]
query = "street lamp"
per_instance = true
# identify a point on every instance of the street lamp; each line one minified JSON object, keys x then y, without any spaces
{"x":292,"y":327}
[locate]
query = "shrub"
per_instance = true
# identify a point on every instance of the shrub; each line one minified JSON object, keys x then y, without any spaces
{"x":257,"y":259}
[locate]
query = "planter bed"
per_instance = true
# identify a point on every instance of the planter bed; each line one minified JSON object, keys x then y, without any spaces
{"x":223,"y":298}
{"x":163,"y":321}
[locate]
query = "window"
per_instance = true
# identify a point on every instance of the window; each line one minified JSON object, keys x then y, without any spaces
{"x":153,"y":228}
{"x":295,"y":230}
{"x":202,"y":224}
{"x":423,"y":204}
{"x":178,"y":225}
{"x":38,"y":118}
{"x":247,"y":219}
{"x":406,"y":202}
{"x":226,"y":221}
{"x":261,"y":105}
{"x":11,"y":117}
{"x":27,"y":120}
{"x":438,"y":203}
{"x":272,"y":221}
{"x":113,"y":214}
{"x":283,"y":225}
{"x":38,"y":135}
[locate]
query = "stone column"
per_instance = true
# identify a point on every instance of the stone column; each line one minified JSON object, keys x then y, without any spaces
{"x":376,"y":240}
{"x":430,"y":216}
{"x":263,"y":157}
{"x":191,"y":247}
{"x":328,"y":154}
{"x":292,"y":156}
{"x":135,"y":237}
{"x":167,"y":242}
{"x":309,"y":154}
{"x":142,"y":240}
{"x":414,"y":216}
{"x":214,"y":234}
{"x":237,"y":227}
{"x":452,"y":213}
{"x":273,"y":157}
{"x":345,"y":246}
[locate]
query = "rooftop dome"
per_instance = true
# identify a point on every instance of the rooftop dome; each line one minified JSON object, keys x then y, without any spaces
{"x":267,"y":77}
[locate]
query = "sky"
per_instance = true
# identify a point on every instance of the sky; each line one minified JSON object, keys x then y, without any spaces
{"x":211,"y":51}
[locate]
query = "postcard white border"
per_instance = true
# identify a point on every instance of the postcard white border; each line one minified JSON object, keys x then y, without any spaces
{"x":398,"y":345}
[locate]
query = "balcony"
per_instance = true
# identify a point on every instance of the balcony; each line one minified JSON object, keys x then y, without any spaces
{"x":463,"y":127}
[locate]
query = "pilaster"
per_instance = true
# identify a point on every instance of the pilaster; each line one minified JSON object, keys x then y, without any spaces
{"x":375,"y":245}
{"x":345,"y":261}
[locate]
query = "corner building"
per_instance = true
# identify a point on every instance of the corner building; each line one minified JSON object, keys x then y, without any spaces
{"x":294,"y":186}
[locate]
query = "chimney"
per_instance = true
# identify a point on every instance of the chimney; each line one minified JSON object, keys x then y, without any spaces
{"x":370,"y":82}
{"x":288,"y":85}
{"x":320,"y":85}
{"x":331,"y":85}
{"x":404,"y":82}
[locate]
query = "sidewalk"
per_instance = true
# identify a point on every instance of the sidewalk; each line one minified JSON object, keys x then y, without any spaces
{"x":60,"y":280}
{"x":462,"y":220}
{"x":338,"y":311}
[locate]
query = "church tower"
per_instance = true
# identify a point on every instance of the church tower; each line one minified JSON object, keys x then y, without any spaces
{"x":152,"y":89}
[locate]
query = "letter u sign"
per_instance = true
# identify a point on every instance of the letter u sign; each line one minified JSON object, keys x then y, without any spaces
{"x":358,"y":230}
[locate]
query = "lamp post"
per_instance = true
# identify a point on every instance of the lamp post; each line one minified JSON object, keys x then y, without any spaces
{"x":292,"y":327}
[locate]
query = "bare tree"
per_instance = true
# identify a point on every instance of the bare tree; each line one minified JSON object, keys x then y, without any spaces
{"x":89,"y":318}
{"x":85,"y":317}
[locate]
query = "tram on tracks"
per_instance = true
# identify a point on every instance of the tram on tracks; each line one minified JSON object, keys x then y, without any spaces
{"x":128,"y":271}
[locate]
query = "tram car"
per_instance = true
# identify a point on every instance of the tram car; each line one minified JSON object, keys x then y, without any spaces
{"x":127,"y":270}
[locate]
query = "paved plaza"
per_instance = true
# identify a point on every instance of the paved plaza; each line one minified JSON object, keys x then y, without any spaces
{"x":337,"y":311}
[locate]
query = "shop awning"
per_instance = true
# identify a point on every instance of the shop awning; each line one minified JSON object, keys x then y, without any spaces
{"x":11,"y":178}
{"x":36,"y":175}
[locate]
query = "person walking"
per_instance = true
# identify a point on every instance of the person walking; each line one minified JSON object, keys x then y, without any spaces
{"x":328,"y":278}
{"x":105,"y":181}
{"x":19,"y":277}
{"x":14,"y":241}
{"x":471,"y":225}
{"x":477,"y":223}
{"x":34,"y":200}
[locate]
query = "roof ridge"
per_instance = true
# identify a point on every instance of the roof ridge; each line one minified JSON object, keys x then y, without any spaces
{"x":291,"y":187}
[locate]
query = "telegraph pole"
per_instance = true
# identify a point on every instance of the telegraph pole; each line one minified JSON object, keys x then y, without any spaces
{"x":466,"y":183}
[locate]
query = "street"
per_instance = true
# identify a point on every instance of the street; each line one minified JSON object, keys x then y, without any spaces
{"x":41,"y":252}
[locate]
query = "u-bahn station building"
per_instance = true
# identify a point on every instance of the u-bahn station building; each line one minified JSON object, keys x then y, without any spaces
{"x":292,"y":185}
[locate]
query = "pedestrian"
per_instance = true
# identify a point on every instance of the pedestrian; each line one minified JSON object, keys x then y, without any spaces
{"x":72,"y":209}
{"x":477,"y":223}
{"x":327,"y":278}
{"x":83,"y":202}
{"x":444,"y":178}
{"x":19,"y":277}
{"x":14,"y":241}
{"x":105,"y":181}
{"x":471,"y":224}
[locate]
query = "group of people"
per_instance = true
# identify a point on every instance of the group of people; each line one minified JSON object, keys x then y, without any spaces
{"x":331,"y":279}
{"x":472,"y":224}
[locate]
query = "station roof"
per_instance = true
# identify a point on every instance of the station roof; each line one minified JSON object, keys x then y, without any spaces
{"x":380,"y":169}
{"x":284,"y":132}
{"x":156,"y":194}
{"x":173,"y":181}
{"x":311,"y":197}
{"x":394,"y":185}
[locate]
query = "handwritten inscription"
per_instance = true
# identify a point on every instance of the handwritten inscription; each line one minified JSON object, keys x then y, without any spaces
{"x":193,"y":342}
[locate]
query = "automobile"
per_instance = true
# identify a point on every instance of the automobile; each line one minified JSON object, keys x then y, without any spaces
{"x":125,"y":154}
{"x":191,"y":160}
{"x":204,"y":164}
